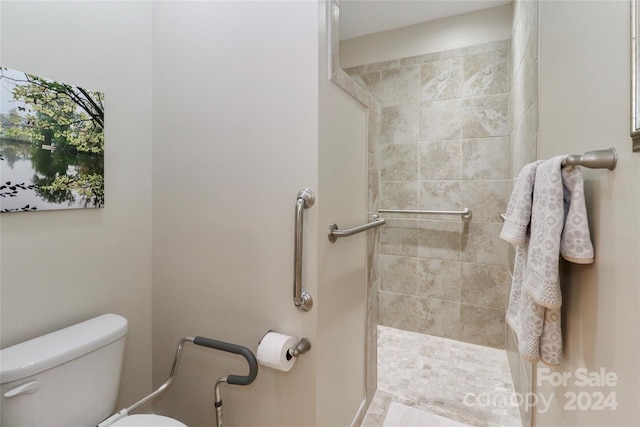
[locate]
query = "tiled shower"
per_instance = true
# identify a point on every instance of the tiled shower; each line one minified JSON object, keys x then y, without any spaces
{"x":444,"y":145}
{"x":450,"y":130}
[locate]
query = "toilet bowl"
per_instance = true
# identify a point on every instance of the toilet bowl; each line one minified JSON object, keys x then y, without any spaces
{"x":147,"y":420}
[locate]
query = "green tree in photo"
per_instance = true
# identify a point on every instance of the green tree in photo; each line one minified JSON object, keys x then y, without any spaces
{"x":65,"y":126}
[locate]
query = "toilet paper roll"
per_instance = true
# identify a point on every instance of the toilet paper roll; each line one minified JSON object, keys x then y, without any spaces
{"x":273,"y":351}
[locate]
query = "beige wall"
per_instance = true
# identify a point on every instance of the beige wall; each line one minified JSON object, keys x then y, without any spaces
{"x":484,"y":26}
{"x":237,"y":119}
{"x":584,"y":105}
{"x":235,"y":139}
{"x":62,"y":267}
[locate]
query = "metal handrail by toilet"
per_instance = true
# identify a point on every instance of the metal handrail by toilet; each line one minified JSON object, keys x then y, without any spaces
{"x":302,"y":299}
{"x":229,"y":379}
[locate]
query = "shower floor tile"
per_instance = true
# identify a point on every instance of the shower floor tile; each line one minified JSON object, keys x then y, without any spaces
{"x":465,"y":382}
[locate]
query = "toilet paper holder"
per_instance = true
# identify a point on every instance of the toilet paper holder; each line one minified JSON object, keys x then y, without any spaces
{"x":302,"y":347}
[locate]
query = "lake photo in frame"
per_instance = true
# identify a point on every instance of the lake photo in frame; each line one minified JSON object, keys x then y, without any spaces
{"x":51,"y":144}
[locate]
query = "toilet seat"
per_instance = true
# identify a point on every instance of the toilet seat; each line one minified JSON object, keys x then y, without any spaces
{"x":147,"y":420}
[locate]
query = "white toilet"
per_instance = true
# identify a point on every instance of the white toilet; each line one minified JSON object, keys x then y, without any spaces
{"x":68,"y":378}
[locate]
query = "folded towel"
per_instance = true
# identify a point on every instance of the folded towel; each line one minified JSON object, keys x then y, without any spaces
{"x":547,"y":221}
{"x":538,"y":330}
{"x":575,"y":243}
{"x":518,"y":216}
{"x":558,"y":226}
{"x":521,"y":316}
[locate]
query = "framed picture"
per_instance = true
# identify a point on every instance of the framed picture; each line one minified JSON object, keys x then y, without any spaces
{"x":51,"y":144}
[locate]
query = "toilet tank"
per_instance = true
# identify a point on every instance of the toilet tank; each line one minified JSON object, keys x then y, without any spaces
{"x":66,"y":378}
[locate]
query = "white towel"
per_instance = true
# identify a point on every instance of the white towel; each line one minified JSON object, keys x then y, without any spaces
{"x":558,"y":225}
{"x":525,"y":316}
{"x":575,"y":244}
{"x":518,"y":215}
{"x":547,"y":221}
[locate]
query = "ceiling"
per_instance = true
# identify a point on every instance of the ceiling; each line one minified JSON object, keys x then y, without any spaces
{"x":362,"y":17}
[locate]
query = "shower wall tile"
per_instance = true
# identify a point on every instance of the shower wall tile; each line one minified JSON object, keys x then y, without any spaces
{"x":399,"y":241}
{"x":530,"y":22}
{"x":438,"y":239}
{"x":401,"y":311}
{"x":371,"y":363}
{"x":482,"y":325}
{"x":400,"y":123}
{"x":400,"y":86}
{"x":484,"y":285}
{"x":373,"y":257}
{"x":370,"y":68}
{"x":399,"y":274}
{"x":487,"y":199}
{"x":441,"y":80}
{"x":483,"y":244}
{"x":400,"y":222}
{"x":399,"y":194}
{"x":374,"y":188}
{"x":373,"y":128}
{"x":440,"y":120}
{"x":440,"y":160}
{"x":444,"y":144}
{"x":455,"y":53}
{"x":439,"y":279}
{"x":486,"y":73}
{"x":485,"y":158}
{"x":485,"y":116}
{"x":399,"y":162}
{"x":443,"y":318}
{"x":525,"y":84}
{"x":371,"y":81}
{"x":524,"y":140}
{"x":439,"y":195}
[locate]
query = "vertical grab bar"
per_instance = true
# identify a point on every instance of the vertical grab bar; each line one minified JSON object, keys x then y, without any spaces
{"x":301,"y":299}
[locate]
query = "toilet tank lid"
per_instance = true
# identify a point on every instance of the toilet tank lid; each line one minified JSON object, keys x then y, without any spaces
{"x":50,"y":350}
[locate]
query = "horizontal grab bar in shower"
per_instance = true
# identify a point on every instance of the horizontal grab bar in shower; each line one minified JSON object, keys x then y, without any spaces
{"x":335,"y":232}
{"x":465,"y":213}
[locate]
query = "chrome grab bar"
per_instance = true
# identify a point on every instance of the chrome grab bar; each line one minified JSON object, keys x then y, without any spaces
{"x":301,"y":299}
{"x":465,"y":213}
{"x":334,"y":232}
